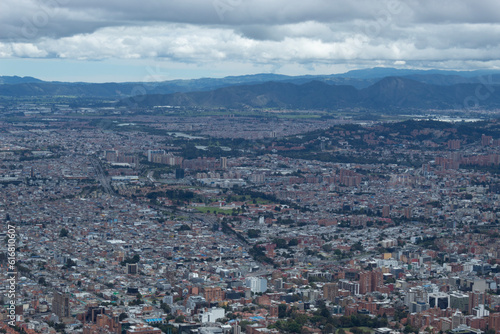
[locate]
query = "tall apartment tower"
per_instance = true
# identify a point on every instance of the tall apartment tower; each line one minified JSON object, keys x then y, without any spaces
{"x":369,"y":281}
{"x":330,"y":291}
{"x":475,"y":299}
{"x":60,"y":304}
{"x":223,"y":163}
{"x":132,"y":268}
{"x":365,"y":282}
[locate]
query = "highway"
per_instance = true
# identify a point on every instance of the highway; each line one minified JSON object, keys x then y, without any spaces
{"x":101,"y":176}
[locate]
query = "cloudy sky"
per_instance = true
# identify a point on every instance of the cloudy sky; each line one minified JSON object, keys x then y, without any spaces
{"x":148,"y":40}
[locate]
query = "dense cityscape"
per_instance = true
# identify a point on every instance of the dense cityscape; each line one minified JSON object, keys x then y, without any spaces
{"x":279,"y":222}
{"x":250,"y":167}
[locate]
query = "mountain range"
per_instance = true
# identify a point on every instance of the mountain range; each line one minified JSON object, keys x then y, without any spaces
{"x":376,"y":88}
{"x":388,"y":93}
{"x":29,"y":86}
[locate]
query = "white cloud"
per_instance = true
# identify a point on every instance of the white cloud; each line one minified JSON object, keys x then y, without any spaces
{"x":277,"y":33}
{"x":27,"y":50}
{"x":191,"y":43}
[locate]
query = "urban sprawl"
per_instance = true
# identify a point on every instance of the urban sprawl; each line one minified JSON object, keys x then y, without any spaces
{"x":278,"y":223}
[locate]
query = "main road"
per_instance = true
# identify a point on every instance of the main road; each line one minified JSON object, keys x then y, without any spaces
{"x":104,"y":180}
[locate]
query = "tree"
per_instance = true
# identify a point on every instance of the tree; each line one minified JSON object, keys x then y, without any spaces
{"x":168,"y":328}
{"x":294,"y":327}
{"x":63,"y":233}
{"x":327,"y":247}
{"x":70,"y":263}
{"x":325,"y":312}
{"x":123,"y":316}
{"x":328,"y":329}
{"x":410,"y":329}
{"x":135,"y":259}
{"x":357,"y":246}
{"x":356,"y":330}
{"x":165,"y":307}
{"x":280,"y":243}
{"x":244,"y":324}
{"x":59,"y":327}
{"x":253,"y":233}
{"x":281,"y":310}
{"x":184,"y":227}
{"x":293,"y":242}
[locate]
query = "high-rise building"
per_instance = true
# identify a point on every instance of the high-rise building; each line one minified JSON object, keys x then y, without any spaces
{"x":439,"y":299}
{"x":256,"y":284}
{"x":386,"y":211}
{"x":480,"y":311}
{"x":132,"y":268}
{"x":330,"y":291}
{"x":278,"y":283}
{"x":457,"y":319}
{"x":418,"y":307}
{"x":213,"y":294}
{"x":486,"y":140}
{"x":494,"y":321}
{"x":352,"y":287}
{"x":223,"y":163}
{"x":162,"y":157}
{"x":369,"y":281}
{"x":454,"y":144}
{"x":104,"y":324}
{"x":273,"y":311}
{"x":152,"y":153}
{"x":111,"y":155}
{"x":407,"y":212}
{"x":365,"y":282}
{"x":459,"y":301}
{"x":377,"y":279}
{"x":476,"y":299}
{"x":60,"y":304}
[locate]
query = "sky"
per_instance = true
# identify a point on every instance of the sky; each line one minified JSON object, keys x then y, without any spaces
{"x":157,"y":40}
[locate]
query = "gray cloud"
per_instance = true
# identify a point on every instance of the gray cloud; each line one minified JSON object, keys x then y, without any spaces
{"x":275,"y":32}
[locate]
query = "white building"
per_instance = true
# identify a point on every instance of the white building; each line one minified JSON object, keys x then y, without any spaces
{"x":211,"y":315}
{"x":480,"y":312}
{"x":256,"y":284}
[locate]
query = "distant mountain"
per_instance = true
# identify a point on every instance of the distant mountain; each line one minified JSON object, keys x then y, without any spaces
{"x":382,"y":72}
{"x":388,"y":93}
{"x":401,"y":92}
{"x":10,"y":80}
{"x":66,"y":89}
{"x":446,"y":80}
{"x":360,"y":79}
{"x":313,"y":94}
